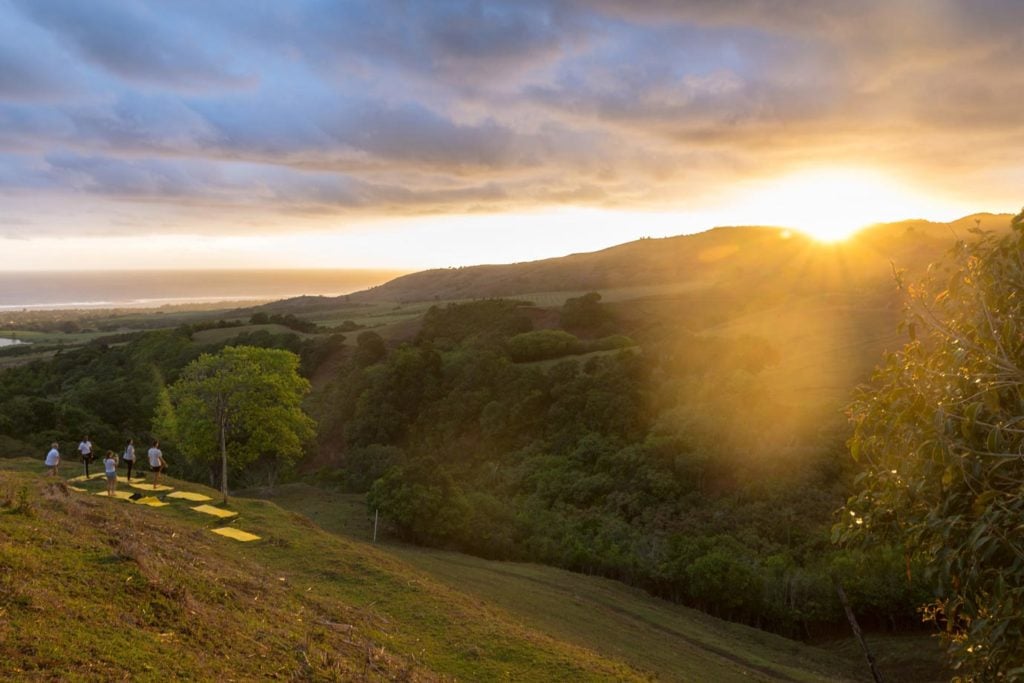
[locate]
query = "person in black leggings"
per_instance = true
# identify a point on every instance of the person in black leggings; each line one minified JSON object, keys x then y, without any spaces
{"x":85,"y":448}
{"x":129,"y":457}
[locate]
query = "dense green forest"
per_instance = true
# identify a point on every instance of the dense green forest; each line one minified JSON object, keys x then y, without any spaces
{"x":660,"y":461}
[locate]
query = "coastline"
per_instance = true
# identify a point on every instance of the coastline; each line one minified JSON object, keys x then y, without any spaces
{"x":95,"y":290}
{"x":142,"y":304}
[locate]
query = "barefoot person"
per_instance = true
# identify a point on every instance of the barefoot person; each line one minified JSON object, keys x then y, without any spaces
{"x":85,"y":448}
{"x":110,"y":468}
{"x":156,"y":462}
{"x":129,"y":457}
{"x":52,"y":460}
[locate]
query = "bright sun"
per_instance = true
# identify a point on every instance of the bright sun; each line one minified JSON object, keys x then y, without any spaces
{"x":832,"y":204}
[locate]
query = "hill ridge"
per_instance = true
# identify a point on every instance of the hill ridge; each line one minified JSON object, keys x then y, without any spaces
{"x":701,"y":256}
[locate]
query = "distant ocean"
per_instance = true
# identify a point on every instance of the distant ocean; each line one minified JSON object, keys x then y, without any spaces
{"x":151,"y":289}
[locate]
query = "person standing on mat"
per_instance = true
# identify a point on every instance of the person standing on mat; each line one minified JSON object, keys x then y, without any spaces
{"x":129,"y":457}
{"x":156,"y":462}
{"x":85,"y":448}
{"x":52,"y":460}
{"x":110,"y":469}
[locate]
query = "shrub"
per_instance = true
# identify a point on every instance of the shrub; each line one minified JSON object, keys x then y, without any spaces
{"x":543,"y":345}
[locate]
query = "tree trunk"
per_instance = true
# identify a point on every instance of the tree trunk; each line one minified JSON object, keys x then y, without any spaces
{"x":223,"y":460}
{"x":855,"y":627}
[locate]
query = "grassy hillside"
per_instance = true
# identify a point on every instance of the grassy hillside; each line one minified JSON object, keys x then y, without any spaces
{"x":672,"y":642}
{"x":736,"y":254}
{"x":103,"y":589}
{"x":218,"y":335}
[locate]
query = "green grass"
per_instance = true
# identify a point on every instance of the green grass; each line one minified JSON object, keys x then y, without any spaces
{"x":50,"y":338}
{"x":579,"y":357}
{"x":900,"y":657}
{"x":669,"y":641}
{"x":99,"y":589}
{"x":555,"y":299}
{"x":373,"y":314}
{"x":217,"y":335}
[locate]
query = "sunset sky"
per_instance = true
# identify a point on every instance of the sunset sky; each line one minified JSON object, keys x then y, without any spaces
{"x":191,"y":133}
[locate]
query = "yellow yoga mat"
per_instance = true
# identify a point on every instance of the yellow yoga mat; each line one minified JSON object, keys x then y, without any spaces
{"x":151,"y":501}
{"x":82,"y":477}
{"x":216,"y":512}
{"x":122,"y":495}
{"x":236,"y":534}
{"x":188,"y":495}
{"x":150,"y":487}
{"x":75,"y":488}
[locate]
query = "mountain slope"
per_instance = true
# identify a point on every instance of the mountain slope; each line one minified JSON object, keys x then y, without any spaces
{"x":749,"y":254}
{"x":672,"y":641}
{"x":99,"y":588}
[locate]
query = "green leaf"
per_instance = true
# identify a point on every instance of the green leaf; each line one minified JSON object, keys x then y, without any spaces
{"x":949,"y":476}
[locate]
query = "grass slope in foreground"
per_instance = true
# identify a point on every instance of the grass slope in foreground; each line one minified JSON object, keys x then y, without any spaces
{"x":93,"y":588}
{"x":97,"y":589}
{"x":670,"y":642}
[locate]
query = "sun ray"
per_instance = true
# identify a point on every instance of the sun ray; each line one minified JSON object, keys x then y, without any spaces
{"x":831,"y":204}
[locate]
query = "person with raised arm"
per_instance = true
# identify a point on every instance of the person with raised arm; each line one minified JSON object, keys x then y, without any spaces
{"x":110,"y":469}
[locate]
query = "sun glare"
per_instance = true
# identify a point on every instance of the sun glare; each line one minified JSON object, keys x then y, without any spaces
{"x":832,"y":204}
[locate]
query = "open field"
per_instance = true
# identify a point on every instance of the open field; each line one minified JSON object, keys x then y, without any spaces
{"x":150,"y":593}
{"x":555,"y":299}
{"x":580,"y":357}
{"x":671,"y":641}
{"x":217,"y":335}
{"x":373,"y":315}
{"x":65,"y":338}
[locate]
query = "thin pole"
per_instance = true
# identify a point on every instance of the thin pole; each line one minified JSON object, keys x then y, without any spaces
{"x":375,"y":513}
{"x":857,"y":632}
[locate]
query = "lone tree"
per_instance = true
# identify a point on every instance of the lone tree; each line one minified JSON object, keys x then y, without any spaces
{"x":940,"y":439}
{"x":242,"y":403}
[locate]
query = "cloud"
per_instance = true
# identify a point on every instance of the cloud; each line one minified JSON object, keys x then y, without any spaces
{"x":22,"y":78}
{"x":139,"y":43}
{"x":315,"y":108}
{"x":461,"y":43}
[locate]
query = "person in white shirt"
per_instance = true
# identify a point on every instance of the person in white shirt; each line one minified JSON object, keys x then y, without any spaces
{"x":129,"y":457}
{"x":156,"y":462}
{"x":52,"y":460}
{"x":85,"y":448}
{"x":110,"y":469}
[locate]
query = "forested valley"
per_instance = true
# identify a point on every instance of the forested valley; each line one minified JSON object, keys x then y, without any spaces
{"x":662,"y":460}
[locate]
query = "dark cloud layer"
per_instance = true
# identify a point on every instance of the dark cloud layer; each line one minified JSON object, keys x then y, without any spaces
{"x":321,"y":108}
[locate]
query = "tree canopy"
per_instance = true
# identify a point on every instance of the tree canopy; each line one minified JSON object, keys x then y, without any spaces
{"x":241,"y":404}
{"x":940,"y":439}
